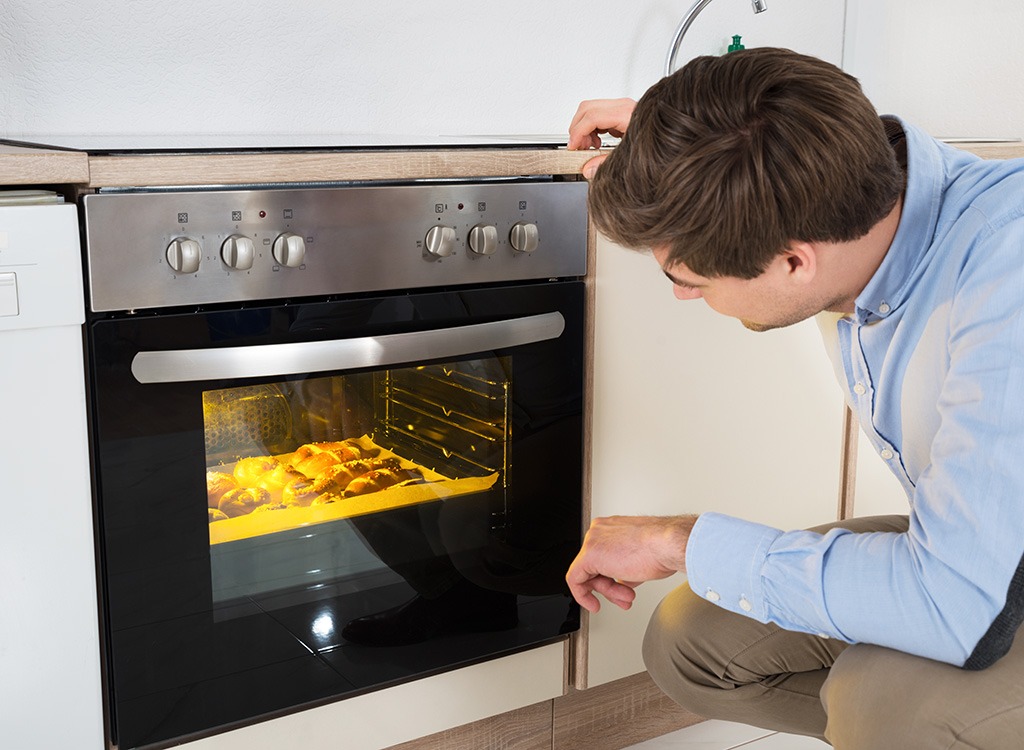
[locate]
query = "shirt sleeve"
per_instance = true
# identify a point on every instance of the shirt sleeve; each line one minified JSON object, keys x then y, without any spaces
{"x":952,"y":587}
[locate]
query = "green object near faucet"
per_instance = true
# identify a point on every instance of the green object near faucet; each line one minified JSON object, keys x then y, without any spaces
{"x":736,"y":45}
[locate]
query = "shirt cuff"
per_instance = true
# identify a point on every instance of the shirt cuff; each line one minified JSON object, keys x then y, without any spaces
{"x":724,"y":560}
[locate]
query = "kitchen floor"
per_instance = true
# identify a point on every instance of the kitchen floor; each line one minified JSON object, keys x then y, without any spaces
{"x":725,"y":735}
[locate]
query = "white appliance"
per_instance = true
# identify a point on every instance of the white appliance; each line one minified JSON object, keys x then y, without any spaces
{"x":50,"y":689}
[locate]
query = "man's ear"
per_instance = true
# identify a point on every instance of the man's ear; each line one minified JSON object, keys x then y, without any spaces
{"x":799,"y":261}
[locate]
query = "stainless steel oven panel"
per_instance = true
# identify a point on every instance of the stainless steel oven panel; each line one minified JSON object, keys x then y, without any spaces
{"x":343,"y":240}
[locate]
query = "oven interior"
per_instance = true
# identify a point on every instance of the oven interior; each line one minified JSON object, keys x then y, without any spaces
{"x":290,"y":463}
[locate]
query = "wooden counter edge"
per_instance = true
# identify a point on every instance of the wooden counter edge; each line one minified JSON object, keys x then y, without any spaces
{"x":999,"y":150}
{"x":292,"y":167}
{"x":34,"y":166}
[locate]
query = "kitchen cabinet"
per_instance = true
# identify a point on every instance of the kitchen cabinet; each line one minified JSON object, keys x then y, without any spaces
{"x":692,"y":412}
{"x":49,"y":631}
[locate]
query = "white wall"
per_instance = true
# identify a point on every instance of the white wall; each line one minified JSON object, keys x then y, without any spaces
{"x":384,"y":67}
{"x":954,"y":68}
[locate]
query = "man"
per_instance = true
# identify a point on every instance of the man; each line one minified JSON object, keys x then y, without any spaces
{"x":766,"y":184}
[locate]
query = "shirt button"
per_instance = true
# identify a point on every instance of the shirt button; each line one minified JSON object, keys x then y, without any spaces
{"x":884,"y":308}
{"x":886,"y":454}
{"x":859,"y":389}
{"x":823,"y":635}
{"x":745,"y":605}
{"x":712,"y":596}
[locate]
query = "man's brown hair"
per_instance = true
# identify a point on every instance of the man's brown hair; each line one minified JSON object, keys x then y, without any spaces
{"x":731,"y":158}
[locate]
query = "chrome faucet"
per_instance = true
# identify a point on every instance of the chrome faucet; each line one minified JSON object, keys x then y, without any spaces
{"x":760,"y":6}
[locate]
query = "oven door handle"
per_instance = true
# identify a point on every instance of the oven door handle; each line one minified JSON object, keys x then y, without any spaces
{"x":193,"y":365}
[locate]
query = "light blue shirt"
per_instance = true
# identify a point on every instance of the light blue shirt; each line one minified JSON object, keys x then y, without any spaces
{"x":932,"y":363}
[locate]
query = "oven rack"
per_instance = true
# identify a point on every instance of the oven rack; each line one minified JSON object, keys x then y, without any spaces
{"x":448,"y":412}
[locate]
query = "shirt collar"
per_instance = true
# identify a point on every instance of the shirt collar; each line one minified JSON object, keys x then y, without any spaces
{"x":892,"y":282}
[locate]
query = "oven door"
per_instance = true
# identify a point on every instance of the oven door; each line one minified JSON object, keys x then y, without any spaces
{"x":391,"y":488}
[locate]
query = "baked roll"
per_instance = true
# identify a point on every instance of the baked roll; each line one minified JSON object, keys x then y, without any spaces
{"x":380,"y":479}
{"x":218,"y":483}
{"x":249,"y":470}
{"x":299,"y":492}
{"x":312,"y":458}
{"x":336,"y":478}
{"x":242,"y":501}
{"x":275,"y":480}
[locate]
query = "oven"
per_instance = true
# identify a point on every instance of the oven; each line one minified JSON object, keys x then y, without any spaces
{"x":337,"y":438}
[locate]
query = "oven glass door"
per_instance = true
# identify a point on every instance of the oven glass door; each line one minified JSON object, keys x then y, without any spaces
{"x":306,"y":502}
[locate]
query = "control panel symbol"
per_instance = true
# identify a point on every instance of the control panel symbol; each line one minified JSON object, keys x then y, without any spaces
{"x":183,"y":217}
{"x":236,"y":216}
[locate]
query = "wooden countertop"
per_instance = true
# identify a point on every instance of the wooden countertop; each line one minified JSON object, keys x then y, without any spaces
{"x":32,"y":166}
{"x":998,"y":150}
{"x":270,"y":167}
{"x":36,"y":166}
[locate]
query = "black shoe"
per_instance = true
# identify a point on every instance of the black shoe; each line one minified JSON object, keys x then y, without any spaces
{"x":420,"y":619}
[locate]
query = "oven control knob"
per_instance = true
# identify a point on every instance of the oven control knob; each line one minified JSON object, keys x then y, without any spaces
{"x":289,"y":249}
{"x":184,"y":254}
{"x":238,"y":252}
{"x":523,"y":237}
{"x":440,"y":241}
{"x":483,"y":239}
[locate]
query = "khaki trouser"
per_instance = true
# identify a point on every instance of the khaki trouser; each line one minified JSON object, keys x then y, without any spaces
{"x":725,"y":666}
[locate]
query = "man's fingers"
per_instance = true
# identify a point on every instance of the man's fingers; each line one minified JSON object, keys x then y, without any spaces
{"x":597,"y":116}
{"x":619,"y":594}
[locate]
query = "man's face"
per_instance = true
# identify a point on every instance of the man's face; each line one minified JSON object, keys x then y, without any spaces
{"x":761,"y":304}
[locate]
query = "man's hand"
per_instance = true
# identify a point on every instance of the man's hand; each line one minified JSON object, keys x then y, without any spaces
{"x":597,"y":116}
{"x":593,"y":118}
{"x":621,"y":552}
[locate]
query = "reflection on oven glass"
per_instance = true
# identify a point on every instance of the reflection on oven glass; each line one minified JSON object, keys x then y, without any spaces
{"x":294,"y":462}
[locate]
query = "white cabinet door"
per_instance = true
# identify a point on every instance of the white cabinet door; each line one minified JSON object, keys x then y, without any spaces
{"x":692,"y":412}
